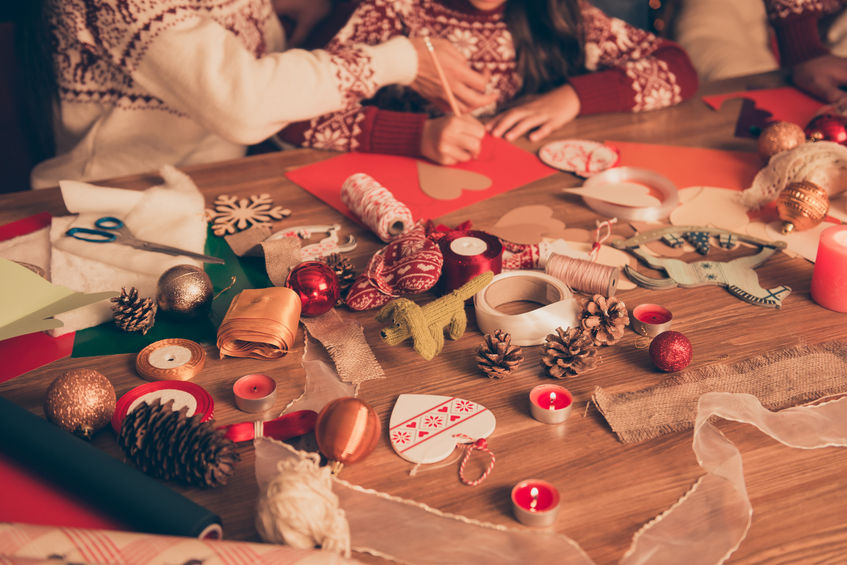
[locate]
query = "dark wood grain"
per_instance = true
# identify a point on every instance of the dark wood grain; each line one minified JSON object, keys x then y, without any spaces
{"x":609,"y":489}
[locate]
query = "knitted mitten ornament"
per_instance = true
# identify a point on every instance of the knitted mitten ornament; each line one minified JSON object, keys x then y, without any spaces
{"x":425,"y":325}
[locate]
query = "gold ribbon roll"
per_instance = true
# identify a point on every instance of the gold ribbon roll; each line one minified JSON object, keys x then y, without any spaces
{"x":170,"y":360}
{"x":260,"y":323}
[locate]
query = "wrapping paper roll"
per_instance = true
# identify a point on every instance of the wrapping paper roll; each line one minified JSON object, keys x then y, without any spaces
{"x":129,"y":495}
{"x":374,"y":204}
{"x":25,"y":543}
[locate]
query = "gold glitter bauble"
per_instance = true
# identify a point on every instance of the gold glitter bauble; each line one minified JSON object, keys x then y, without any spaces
{"x":184,"y":292}
{"x":778,"y":137}
{"x":80,"y":401}
{"x":801,"y":205}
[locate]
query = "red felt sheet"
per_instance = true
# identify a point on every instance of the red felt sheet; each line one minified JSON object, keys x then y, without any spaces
{"x":784,"y":104}
{"x":507,"y":166}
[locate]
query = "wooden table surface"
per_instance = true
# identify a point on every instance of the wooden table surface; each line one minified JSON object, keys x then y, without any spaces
{"x":609,"y":489}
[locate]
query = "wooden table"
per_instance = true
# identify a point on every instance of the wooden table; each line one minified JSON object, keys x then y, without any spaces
{"x":609,"y":489}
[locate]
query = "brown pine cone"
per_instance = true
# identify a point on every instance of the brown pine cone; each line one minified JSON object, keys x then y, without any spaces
{"x":168,"y":444}
{"x":343,"y":268}
{"x":132,"y":313}
{"x":497,"y":357}
{"x":604,"y":319}
{"x":568,"y":352}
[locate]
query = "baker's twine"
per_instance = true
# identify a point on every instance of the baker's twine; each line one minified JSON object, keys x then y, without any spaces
{"x":478,"y":445}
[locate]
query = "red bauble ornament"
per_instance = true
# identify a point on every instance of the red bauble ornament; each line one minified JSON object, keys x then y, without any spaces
{"x":827,"y":127}
{"x":317,"y":286}
{"x":671,"y":351}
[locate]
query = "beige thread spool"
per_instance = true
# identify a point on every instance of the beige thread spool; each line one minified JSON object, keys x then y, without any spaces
{"x":584,"y":276}
{"x":172,"y":359}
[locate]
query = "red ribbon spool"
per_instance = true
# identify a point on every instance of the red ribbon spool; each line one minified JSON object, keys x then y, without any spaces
{"x":466,"y":255}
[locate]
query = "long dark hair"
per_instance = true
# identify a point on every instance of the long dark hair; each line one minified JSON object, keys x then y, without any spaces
{"x":548,"y":39}
{"x":34,"y":48}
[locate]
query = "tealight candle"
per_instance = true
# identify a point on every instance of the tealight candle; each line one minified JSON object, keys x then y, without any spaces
{"x":254,"y":393}
{"x":651,"y":319}
{"x":535,"y":503}
{"x":550,"y":404}
{"x":829,"y":278}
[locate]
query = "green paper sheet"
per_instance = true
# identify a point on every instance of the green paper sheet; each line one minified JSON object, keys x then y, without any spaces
{"x":249,"y":272}
{"x":29,"y":302}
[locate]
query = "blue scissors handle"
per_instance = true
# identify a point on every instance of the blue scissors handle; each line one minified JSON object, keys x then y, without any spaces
{"x":98,"y":235}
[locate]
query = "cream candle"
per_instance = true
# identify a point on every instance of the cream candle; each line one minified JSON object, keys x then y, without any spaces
{"x":829,"y":278}
{"x":550,"y":404}
{"x":254,"y":392}
{"x":535,"y":503}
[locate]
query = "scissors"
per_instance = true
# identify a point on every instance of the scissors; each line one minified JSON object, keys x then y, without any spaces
{"x":109,"y":228}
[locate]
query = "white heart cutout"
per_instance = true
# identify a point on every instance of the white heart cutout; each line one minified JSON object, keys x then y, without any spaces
{"x":426,"y":428}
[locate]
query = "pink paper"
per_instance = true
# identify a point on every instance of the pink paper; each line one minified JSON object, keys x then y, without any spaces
{"x":692,"y":166}
{"x":507,"y":166}
{"x":784,"y":104}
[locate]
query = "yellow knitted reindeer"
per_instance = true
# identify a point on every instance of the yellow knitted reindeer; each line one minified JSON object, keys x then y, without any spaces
{"x":425,"y":324}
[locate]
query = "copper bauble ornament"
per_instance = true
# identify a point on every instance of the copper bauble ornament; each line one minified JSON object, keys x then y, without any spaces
{"x":184,"y":292}
{"x":778,"y":137}
{"x":317,"y":286}
{"x":801,"y":205}
{"x":80,"y":401}
{"x":671,"y":351}
{"x":347,"y":430}
{"x":827,"y":127}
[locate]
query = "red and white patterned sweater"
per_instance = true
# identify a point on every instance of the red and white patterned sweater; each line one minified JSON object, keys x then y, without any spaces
{"x":795,"y":23}
{"x":628,"y":70}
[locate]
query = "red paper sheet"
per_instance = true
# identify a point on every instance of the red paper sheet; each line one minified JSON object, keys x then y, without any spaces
{"x":507,"y":166}
{"x":692,"y":166}
{"x":785,"y":104}
{"x":29,"y":499}
{"x":27,"y":352}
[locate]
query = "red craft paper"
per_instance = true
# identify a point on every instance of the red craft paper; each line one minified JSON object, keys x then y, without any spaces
{"x":27,"y":352}
{"x":785,"y":103}
{"x":507,"y":166}
{"x":29,"y":499}
{"x":692,"y":166}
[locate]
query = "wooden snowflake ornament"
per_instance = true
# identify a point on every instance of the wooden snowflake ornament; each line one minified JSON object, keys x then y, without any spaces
{"x":231,"y":215}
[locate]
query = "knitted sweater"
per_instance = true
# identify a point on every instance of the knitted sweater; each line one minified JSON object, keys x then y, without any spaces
{"x":153,"y":82}
{"x":795,"y":24}
{"x":628,"y":70}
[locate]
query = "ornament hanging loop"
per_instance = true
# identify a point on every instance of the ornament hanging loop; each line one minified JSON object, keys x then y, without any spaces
{"x":478,"y":445}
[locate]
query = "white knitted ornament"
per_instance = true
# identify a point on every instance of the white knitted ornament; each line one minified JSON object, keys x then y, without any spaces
{"x":298,"y":508}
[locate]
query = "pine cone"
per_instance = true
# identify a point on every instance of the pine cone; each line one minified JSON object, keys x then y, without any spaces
{"x":168,"y":444}
{"x":497,"y":357}
{"x":604,"y":319}
{"x":132,"y":313}
{"x":568,"y":352}
{"x":343,"y":268}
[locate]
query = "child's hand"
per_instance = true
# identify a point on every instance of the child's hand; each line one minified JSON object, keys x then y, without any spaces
{"x":543,"y":114}
{"x":451,"y":139}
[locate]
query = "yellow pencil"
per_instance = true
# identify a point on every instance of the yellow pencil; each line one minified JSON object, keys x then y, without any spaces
{"x":454,"y":106}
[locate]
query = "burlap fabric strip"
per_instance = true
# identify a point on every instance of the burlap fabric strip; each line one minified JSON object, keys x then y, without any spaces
{"x":779,"y":379}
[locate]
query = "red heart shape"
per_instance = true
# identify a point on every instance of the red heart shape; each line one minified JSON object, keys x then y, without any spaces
{"x":412,"y":425}
{"x":422,"y":433}
{"x":443,"y":409}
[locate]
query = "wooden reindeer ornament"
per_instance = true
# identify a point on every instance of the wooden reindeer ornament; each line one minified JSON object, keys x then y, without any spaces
{"x":426,"y":324}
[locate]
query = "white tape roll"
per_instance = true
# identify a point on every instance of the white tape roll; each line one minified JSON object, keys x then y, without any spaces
{"x":529,"y":328}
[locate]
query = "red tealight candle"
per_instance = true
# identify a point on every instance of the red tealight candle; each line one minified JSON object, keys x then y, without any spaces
{"x":829,"y":279}
{"x":651,"y":319}
{"x":550,"y":404}
{"x":254,"y":393}
{"x":535,"y":502}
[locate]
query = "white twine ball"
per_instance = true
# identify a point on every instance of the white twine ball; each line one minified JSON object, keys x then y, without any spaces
{"x":298,"y":508}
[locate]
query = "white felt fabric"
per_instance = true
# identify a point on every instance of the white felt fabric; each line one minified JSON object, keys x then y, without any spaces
{"x":169,"y":214}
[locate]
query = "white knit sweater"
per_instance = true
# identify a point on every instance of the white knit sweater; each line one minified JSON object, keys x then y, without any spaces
{"x":144,"y":83}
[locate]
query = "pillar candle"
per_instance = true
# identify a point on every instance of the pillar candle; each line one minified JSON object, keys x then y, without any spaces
{"x":829,"y":278}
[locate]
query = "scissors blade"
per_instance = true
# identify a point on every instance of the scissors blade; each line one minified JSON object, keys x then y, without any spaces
{"x":155,"y":247}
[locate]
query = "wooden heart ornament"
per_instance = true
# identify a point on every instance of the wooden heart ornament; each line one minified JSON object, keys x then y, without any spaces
{"x":445,"y":183}
{"x":426,"y":428}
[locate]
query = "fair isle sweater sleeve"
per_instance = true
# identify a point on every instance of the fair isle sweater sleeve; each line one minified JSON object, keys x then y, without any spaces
{"x":198,"y":67}
{"x":357,"y":127}
{"x":795,"y":25}
{"x":630,"y":69}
